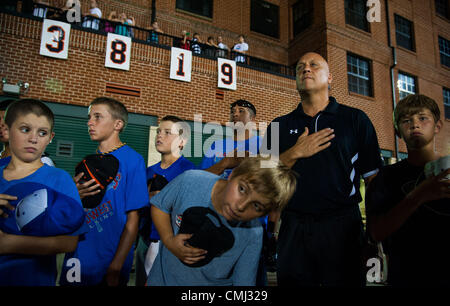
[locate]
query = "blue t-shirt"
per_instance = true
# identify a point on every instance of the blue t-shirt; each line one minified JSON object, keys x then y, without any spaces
{"x":221,"y":148}
{"x":178,"y":167}
{"x":237,"y":266}
{"x":5,"y":161}
{"x":33,"y":270}
{"x":127,"y":192}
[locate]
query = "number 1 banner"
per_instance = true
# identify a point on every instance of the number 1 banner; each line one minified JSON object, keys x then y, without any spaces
{"x":180,"y":64}
{"x":226,"y":74}
{"x":118,"y":51}
{"x":55,"y":39}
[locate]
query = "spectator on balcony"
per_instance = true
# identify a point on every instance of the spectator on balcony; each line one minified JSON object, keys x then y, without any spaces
{"x":185,"y":43}
{"x":110,"y":25}
{"x":224,"y":48}
{"x":211,"y":47}
{"x":91,"y":20}
{"x":195,"y":44}
{"x":122,"y":27}
{"x":153,"y":36}
{"x":40,"y":11}
{"x":131,"y":22}
{"x":61,"y":14}
{"x":241,"y":48}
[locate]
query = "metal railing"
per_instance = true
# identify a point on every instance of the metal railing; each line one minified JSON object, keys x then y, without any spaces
{"x":147,"y":36}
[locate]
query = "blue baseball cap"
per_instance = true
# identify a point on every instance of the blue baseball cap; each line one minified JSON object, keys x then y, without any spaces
{"x":42,"y":211}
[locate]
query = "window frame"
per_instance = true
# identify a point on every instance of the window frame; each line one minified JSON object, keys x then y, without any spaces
{"x":368,"y":79}
{"x":398,"y":18}
{"x":349,"y":20}
{"x":254,"y":27}
{"x":306,"y":16}
{"x":442,"y":52}
{"x":180,"y":7}
{"x":414,"y":78}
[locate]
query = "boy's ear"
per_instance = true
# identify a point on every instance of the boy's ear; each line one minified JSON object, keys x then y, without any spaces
{"x":438,"y":126}
{"x":51,"y":136}
{"x":118,"y":125}
{"x":6,"y":131}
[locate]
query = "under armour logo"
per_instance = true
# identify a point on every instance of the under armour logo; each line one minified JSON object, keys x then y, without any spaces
{"x":293,"y":131}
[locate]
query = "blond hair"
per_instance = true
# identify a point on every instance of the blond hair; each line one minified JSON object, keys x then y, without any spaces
{"x":268,"y":177}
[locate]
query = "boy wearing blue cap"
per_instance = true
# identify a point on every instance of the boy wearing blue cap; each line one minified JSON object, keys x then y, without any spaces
{"x":33,"y":231}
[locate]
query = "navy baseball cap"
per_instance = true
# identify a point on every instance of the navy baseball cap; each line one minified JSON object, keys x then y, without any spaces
{"x":208,"y":231}
{"x":244,"y":103}
{"x":101,"y":167}
{"x":42,"y":211}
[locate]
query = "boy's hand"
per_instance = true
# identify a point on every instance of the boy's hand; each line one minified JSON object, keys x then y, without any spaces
{"x":433,"y":188}
{"x":182,"y":250}
{"x":4,"y":204}
{"x":86,"y":189}
{"x":233,"y":160}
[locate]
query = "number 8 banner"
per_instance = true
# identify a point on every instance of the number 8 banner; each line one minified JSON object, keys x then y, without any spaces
{"x":118,"y":51}
{"x":55,"y":39}
{"x":226,"y":74}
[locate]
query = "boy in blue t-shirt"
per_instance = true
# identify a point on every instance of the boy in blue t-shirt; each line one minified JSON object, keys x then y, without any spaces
{"x":254,"y":188}
{"x":170,"y":140}
{"x":106,"y":254}
{"x":28,"y":246}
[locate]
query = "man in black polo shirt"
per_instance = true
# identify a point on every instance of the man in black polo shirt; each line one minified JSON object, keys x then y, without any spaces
{"x":330,"y":146}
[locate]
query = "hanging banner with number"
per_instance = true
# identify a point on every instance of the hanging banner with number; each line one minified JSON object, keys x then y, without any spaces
{"x":180,"y":64}
{"x":226,"y":74}
{"x":118,"y":51}
{"x":55,"y":39}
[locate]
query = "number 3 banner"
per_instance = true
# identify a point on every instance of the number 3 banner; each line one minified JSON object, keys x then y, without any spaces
{"x":55,"y":39}
{"x":180,"y":64}
{"x":226,"y":74}
{"x":118,"y":51}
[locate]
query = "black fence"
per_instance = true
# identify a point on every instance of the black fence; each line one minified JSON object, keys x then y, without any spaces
{"x":147,"y":36}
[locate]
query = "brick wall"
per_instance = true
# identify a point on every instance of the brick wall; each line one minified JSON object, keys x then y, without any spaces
{"x":83,"y":77}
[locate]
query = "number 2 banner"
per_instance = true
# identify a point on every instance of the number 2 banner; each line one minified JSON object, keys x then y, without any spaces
{"x":180,"y":64}
{"x":226,"y":74}
{"x":118,"y":51}
{"x":55,"y":39}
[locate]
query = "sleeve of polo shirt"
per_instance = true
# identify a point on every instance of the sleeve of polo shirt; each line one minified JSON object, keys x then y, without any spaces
{"x":370,"y":155}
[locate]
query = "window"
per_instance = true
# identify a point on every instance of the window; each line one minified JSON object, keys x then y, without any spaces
{"x":446,"y":94}
{"x":406,"y":85}
{"x":442,"y":8}
{"x":404,"y":33}
{"x":265,"y":18}
{"x":302,"y":16}
{"x":199,"y":7}
{"x":358,"y":71}
{"x":444,"y":51}
{"x":355,"y":14}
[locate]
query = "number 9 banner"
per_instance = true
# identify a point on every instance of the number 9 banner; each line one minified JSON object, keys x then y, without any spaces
{"x":226,"y":74}
{"x":55,"y":39}
{"x":118,"y":51}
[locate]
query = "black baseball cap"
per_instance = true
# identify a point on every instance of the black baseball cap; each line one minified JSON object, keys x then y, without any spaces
{"x":101,"y":167}
{"x":208,"y":233}
{"x":243,"y":103}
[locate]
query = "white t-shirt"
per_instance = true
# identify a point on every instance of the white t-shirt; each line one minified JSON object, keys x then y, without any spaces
{"x":93,"y":24}
{"x":240,"y":47}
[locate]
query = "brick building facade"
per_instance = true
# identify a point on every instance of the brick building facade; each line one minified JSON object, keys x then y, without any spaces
{"x":83,"y":76}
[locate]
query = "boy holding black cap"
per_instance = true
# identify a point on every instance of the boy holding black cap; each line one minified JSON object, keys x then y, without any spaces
{"x":40,"y":209}
{"x":254,"y":188}
{"x":106,"y":255}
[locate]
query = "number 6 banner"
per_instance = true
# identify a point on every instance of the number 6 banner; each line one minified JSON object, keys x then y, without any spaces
{"x":55,"y":39}
{"x":180,"y":64}
{"x":226,"y":74}
{"x":118,"y":51}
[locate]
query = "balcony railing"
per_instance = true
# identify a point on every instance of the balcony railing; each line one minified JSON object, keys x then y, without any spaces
{"x":147,"y":36}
